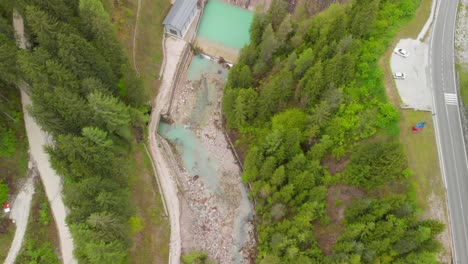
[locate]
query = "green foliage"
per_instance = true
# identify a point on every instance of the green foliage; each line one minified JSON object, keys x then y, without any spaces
{"x":291,"y":119}
{"x":84,"y":60}
{"x":276,"y":13}
{"x":40,"y":254}
{"x":100,"y":252}
{"x":267,"y":47}
{"x":275,"y":94}
{"x":462,"y":70}
{"x":196,"y":257}
{"x":123,"y":90}
{"x":135,"y":224}
{"x":284,"y":31}
{"x":338,"y":202}
{"x":44,"y":212}
{"x":386,"y":230}
{"x":7,"y":142}
{"x":257,"y":27}
{"x":110,"y":113}
{"x":8,"y":50}
{"x":85,"y":156}
{"x":303,"y":63}
{"x":97,"y":27}
{"x":376,"y":164}
{"x":244,"y":108}
{"x":3,"y":192}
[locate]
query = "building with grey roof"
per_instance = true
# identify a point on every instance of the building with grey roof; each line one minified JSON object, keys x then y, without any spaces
{"x":180,"y":16}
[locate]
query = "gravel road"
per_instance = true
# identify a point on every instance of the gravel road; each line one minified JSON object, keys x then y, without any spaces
{"x":172,"y":51}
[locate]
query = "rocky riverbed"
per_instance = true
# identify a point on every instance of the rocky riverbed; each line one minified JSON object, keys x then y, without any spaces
{"x":217,"y":216}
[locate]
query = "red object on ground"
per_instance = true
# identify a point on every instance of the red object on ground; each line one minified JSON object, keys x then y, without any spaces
{"x":6,"y":207}
{"x":415,"y":129}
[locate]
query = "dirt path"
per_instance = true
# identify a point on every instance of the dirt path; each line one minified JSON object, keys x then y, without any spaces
{"x":52,"y":182}
{"x":172,"y":52}
{"x":135,"y":32}
{"x":20,"y":214}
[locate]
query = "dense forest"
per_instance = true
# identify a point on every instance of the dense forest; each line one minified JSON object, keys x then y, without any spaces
{"x":88,"y":98}
{"x":309,"y":90}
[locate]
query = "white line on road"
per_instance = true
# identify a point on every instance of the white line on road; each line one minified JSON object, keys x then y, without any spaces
{"x":451,"y":98}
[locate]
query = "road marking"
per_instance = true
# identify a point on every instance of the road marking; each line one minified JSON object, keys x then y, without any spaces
{"x":451,"y":98}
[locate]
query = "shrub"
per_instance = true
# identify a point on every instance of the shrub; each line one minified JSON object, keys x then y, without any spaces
{"x":196,"y":257}
{"x":376,"y":164}
{"x":44,"y":213}
{"x":135,"y":224}
{"x":7,"y":143}
{"x":3,"y":192}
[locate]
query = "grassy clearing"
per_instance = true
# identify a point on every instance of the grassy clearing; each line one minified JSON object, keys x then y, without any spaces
{"x":149,"y":54}
{"x":462,"y":71}
{"x":41,"y":243}
{"x":421,"y":149}
{"x":150,"y":227}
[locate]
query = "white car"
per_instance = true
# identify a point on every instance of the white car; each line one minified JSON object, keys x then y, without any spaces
{"x":401,"y":52}
{"x":399,"y":75}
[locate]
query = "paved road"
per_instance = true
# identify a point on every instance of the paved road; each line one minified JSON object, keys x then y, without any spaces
{"x":451,"y":146}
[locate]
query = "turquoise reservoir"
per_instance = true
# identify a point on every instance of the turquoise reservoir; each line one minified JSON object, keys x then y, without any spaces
{"x":225,"y":24}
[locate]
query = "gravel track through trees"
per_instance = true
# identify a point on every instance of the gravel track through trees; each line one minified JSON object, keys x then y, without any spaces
{"x":37,"y":140}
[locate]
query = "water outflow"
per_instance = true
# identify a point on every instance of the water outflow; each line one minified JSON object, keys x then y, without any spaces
{"x":225,"y":24}
{"x":201,"y":65}
{"x":195,"y":158}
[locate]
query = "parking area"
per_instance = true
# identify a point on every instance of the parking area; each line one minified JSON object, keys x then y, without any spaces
{"x":413,"y":89}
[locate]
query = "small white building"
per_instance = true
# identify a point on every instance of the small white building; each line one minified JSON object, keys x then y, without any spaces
{"x":180,"y":17}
